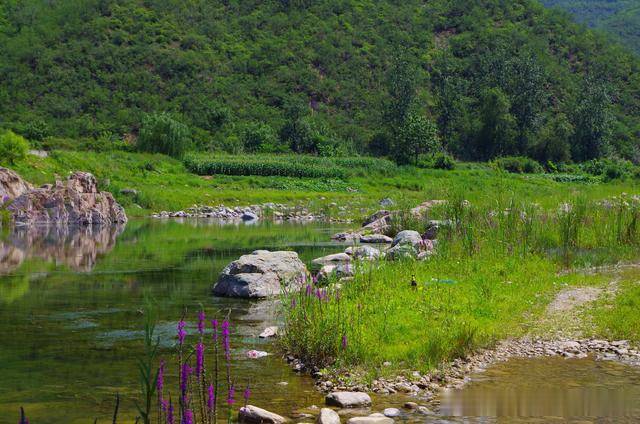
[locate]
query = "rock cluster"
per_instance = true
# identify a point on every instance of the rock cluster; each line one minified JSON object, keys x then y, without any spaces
{"x":261,"y":274}
{"x":274,"y":211}
{"x":75,"y":201}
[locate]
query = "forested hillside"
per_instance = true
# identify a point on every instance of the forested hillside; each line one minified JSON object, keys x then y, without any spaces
{"x":485,"y":77}
{"x":618,"y":17}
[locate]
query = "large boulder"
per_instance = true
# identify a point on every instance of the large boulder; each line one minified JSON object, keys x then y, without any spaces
{"x":367,"y":253}
{"x":261,"y":274}
{"x":76,"y":201}
{"x":348,"y":399}
{"x":328,"y":416}
{"x":11,"y":185}
{"x":410,"y":237}
{"x":254,"y":415}
{"x":406,"y":244}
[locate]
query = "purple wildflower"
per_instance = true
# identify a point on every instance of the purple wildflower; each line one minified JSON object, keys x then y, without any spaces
{"x":181,"y":332}
{"x":232,"y":393}
{"x":246,"y":394}
{"x":319,"y":294}
{"x":199,"y":358}
{"x":160,"y":380}
{"x":225,"y":340}
{"x":211,"y":398}
{"x":309,"y":290}
{"x":344,"y":342}
{"x":188,"y":417}
{"x":184,"y":378}
{"x":314,"y":279}
{"x":214,"y":325}
{"x":201,"y":318}
{"x":170,"y":413}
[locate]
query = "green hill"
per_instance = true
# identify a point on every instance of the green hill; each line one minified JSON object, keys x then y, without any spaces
{"x":319,"y":76}
{"x":618,"y":17}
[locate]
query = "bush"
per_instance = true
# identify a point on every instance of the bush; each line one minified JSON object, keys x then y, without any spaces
{"x":259,"y":137}
{"x":160,"y":133}
{"x":518,"y":165}
{"x":443,"y":160}
{"x":610,"y":169}
{"x":12,"y":147}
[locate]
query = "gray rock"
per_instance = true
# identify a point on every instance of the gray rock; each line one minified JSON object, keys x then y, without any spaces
{"x":336,"y":258}
{"x":433,"y":228}
{"x":339,"y":271}
{"x":269,"y":332}
{"x":129,"y":192}
{"x":401,"y":251}
{"x":378,"y":226}
{"x":328,"y":416}
{"x":346,"y":236}
{"x":261,"y":274}
{"x":375,"y":238}
{"x":410,"y":237}
{"x":375,"y":217}
{"x":392,"y":412}
{"x":410,"y":405}
{"x":348,"y":399}
{"x":364,"y":253}
{"x":249,"y":216}
{"x":386,"y":202}
{"x":252,"y":414}
{"x":371,"y":419}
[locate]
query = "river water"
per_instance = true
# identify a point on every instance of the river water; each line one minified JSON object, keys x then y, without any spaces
{"x":72,"y":305}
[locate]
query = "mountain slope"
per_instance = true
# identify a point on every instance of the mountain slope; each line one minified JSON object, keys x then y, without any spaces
{"x":498,"y":77}
{"x":618,"y":17}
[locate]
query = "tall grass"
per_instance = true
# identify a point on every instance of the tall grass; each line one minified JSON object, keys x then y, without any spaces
{"x":495,"y":268}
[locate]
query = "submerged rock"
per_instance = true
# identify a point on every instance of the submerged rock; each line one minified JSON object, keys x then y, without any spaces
{"x":392,"y":412}
{"x":328,"y":416}
{"x":76,"y":201}
{"x":348,"y":399}
{"x":252,"y":414}
{"x":261,"y":274}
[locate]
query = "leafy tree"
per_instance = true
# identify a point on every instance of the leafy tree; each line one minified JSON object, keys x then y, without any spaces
{"x":418,"y":135}
{"x":592,"y":120}
{"x":554,"y":140}
{"x":497,"y":136}
{"x":259,"y":137}
{"x":160,"y":133}
{"x":12,"y":147}
{"x":401,"y":92}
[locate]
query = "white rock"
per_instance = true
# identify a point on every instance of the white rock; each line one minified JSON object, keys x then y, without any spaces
{"x":348,"y":399}
{"x":253,"y":414}
{"x":328,"y":416}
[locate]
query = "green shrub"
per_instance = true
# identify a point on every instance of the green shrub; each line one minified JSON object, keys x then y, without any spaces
{"x":160,"y":133}
{"x":443,"y":160}
{"x":259,"y":137}
{"x":518,"y":165}
{"x":13,"y":147}
{"x":610,"y":169}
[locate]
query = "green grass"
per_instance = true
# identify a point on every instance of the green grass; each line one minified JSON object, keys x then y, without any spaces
{"x":618,"y":318}
{"x":493,"y":273}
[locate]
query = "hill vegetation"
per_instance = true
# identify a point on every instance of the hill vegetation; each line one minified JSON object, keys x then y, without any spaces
{"x":618,"y":17}
{"x":481,"y":78}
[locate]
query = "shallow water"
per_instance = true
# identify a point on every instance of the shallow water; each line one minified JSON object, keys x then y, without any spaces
{"x":71,"y":304}
{"x":71,"y":327}
{"x":548,"y":390}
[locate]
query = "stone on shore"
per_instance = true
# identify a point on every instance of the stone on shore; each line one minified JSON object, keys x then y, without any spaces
{"x":375,"y":239}
{"x":75,"y":201}
{"x":269,"y":332}
{"x":254,"y":415}
{"x":249,"y":216}
{"x":364,"y":253}
{"x":375,"y":217}
{"x":261,"y":274}
{"x":328,"y":416}
{"x":336,"y":258}
{"x":424,"y":207}
{"x":392,"y":412}
{"x":371,"y":419}
{"x":348,"y":399}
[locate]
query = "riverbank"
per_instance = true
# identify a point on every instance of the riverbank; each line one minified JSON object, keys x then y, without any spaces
{"x":503,"y":282}
{"x":146,"y":184}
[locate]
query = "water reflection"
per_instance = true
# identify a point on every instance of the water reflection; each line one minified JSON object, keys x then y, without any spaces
{"x":550,"y":388}
{"x":74,"y":246}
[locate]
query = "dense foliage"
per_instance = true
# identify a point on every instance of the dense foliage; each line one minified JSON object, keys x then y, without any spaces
{"x":12,"y":148}
{"x":328,"y":77}
{"x":618,"y":17}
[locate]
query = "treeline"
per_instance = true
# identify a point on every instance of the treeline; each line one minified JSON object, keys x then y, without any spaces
{"x":477,"y":78}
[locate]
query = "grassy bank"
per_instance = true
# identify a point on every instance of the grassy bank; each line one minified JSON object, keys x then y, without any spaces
{"x":494,"y":272}
{"x":163,"y":183}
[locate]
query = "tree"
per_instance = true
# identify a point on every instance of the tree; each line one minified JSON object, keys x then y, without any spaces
{"x":161,"y":133}
{"x":401,"y":92}
{"x":592,"y":120}
{"x":12,"y":147}
{"x":418,"y":135}
{"x":498,"y":132}
{"x":259,"y":137}
{"x":553,"y":141}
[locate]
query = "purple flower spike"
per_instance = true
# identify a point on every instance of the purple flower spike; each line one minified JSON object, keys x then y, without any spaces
{"x":199,"y":358}
{"x":225,"y":340}
{"x":247,"y":394}
{"x":182,"y":333}
{"x":170,"y":413}
{"x":184,"y":381}
{"x":232,"y":393}
{"x":344,"y":342}
{"x":314,"y":279}
{"x":214,"y":325}
{"x":160,"y":380}
{"x":188,"y":417}
{"x":201,"y":318}
{"x":211,"y":398}
{"x":309,"y":290}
